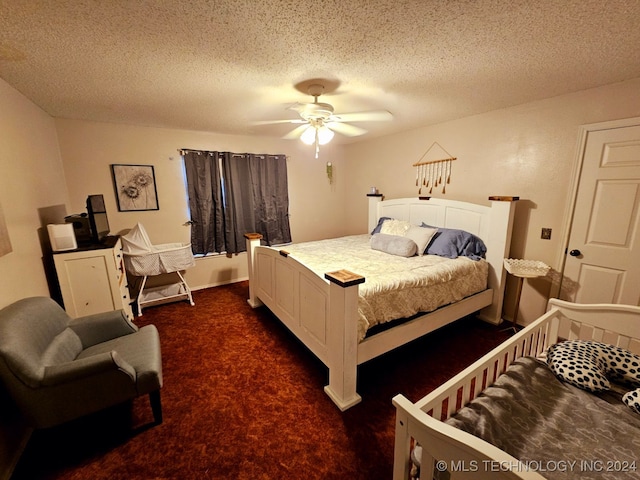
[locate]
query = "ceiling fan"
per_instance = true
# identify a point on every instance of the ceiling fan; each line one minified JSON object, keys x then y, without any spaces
{"x":318,"y":122}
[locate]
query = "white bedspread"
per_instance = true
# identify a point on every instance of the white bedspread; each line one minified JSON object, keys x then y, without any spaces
{"x":395,"y":287}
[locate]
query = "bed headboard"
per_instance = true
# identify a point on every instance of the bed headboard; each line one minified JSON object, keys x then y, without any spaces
{"x":492,"y":223}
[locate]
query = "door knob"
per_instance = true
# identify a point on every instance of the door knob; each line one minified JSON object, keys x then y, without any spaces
{"x":575,"y":253}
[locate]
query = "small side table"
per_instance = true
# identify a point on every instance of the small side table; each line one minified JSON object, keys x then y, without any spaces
{"x":523,"y":269}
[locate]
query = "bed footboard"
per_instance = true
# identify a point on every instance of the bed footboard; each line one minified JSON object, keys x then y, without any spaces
{"x":322,"y":313}
{"x":445,"y":446}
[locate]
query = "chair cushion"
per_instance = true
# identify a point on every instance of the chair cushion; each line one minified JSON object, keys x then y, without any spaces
{"x":64,"y":348}
{"x":141,"y":350}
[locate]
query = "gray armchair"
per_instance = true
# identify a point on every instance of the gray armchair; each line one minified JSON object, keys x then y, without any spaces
{"x":57,"y":369}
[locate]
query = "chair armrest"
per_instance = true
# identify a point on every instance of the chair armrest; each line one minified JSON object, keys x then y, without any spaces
{"x":101,"y":327}
{"x":87,"y":367}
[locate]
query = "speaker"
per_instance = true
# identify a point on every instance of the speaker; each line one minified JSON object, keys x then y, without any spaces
{"x":81,"y":227}
{"x":62,"y":237}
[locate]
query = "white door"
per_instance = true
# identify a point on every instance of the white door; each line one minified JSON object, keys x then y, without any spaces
{"x":603,"y":254}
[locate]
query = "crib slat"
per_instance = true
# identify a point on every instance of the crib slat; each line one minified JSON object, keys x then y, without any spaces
{"x":634,"y":346}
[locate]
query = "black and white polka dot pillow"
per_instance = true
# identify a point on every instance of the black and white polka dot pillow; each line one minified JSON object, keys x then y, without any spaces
{"x":590,"y":365}
{"x":579,"y":363}
{"x":632,"y":400}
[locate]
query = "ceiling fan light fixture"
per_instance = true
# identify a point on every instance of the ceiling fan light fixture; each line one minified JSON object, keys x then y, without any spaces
{"x":325,"y":134}
{"x":309,"y":135}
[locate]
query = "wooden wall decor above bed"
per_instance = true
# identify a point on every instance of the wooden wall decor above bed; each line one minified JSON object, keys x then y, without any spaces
{"x":433,"y":173}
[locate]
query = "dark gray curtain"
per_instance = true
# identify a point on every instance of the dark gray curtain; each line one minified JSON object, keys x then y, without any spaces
{"x":257,"y":199}
{"x":271,"y":197}
{"x":204,"y":186}
{"x":239,"y":214}
{"x":231,"y":194}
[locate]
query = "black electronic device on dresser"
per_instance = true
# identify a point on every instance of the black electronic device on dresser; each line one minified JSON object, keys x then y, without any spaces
{"x":98,"y":220}
{"x":92,"y":227}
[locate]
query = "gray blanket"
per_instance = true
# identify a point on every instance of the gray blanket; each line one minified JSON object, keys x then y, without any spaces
{"x":554,"y":428}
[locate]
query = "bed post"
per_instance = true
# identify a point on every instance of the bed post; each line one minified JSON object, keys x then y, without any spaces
{"x":342,"y":338}
{"x":253,"y":241}
{"x":501,"y":223}
{"x":402,"y":444}
{"x":374,"y":200}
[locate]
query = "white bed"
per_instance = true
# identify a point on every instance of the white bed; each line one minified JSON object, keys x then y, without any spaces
{"x":467,"y":456}
{"x":322,"y":309}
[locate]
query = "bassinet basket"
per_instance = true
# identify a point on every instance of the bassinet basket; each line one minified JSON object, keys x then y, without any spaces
{"x":143,"y":259}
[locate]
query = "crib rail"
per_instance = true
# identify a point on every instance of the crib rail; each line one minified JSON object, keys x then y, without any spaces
{"x":464,"y":387}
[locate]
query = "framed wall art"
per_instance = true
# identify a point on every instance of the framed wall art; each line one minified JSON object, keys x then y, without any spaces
{"x":135,"y":187}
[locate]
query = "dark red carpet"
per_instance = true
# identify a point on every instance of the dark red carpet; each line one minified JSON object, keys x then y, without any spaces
{"x":243,"y":399}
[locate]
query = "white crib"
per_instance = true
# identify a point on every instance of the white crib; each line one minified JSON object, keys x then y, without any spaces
{"x":442,"y":445}
{"x":142,"y":259}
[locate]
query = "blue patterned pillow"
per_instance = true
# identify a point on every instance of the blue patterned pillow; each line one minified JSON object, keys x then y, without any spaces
{"x":454,"y":243}
{"x":379,"y":225}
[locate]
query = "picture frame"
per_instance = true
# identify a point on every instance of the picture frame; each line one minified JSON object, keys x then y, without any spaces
{"x":135,"y":187}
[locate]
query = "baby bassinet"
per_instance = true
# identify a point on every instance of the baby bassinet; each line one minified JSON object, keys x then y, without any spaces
{"x":143,"y":259}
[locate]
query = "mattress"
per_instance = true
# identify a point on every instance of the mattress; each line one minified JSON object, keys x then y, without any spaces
{"x":395,"y":287}
{"x":554,"y":428}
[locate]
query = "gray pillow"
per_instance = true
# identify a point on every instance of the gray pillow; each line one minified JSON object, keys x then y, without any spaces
{"x":394,"y":244}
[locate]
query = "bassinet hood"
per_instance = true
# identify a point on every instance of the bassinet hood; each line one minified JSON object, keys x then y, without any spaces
{"x":136,"y":242}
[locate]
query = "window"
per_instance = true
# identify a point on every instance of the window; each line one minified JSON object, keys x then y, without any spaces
{"x":231,"y":194}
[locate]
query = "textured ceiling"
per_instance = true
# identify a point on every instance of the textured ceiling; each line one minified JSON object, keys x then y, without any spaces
{"x":221,"y":65}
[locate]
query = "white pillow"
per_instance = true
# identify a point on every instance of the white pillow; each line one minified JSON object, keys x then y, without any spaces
{"x":395,"y":227}
{"x":421,"y":236}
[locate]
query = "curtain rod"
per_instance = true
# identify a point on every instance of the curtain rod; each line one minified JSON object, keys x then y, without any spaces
{"x":183,"y":151}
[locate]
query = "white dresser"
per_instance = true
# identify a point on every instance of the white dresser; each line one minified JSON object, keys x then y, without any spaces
{"x":93,"y":279}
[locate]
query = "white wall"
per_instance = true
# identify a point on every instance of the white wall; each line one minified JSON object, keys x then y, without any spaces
{"x":89,"y":148}
{"x":527,"y":151}
{"x":32,"y":192}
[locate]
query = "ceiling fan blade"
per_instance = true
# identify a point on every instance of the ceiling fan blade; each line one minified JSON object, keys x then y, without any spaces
{"x":373,"y":116}
{"x":296,"y":132}
{"x":275,"y":122}
{"x":346,"y":129}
